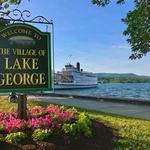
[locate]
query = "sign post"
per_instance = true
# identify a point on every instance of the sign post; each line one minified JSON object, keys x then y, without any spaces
{"x":22,"y":106}
{"x":25,"y":61}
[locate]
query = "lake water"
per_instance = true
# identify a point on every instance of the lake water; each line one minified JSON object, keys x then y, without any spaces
{"x":120,"y":90}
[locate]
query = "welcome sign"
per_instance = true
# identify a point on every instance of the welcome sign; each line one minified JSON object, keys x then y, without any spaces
{"x":25,"y":63}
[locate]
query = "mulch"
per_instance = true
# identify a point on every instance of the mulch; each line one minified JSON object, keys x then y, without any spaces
{"x":102,"y":139}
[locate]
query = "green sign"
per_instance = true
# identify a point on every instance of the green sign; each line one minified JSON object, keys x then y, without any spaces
{"x":25,"y":59}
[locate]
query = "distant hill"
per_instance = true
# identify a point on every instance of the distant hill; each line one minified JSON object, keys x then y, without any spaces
{"x":122,"y":78}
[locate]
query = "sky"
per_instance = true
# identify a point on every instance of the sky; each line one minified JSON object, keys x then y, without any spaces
{"x":89,"y":34}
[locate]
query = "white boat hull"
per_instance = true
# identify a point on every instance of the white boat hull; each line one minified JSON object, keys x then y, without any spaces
{"x":73,"y":86}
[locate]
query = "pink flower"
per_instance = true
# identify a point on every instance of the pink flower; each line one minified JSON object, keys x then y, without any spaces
{"x":40,"y":122}
{"x":51,"y":116}
{"x":37,"y":111}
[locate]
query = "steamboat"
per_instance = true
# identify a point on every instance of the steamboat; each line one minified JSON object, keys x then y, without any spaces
{"x":72,"y":77}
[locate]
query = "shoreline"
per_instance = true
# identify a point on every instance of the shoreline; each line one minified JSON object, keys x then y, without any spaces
{"x":100,"y":98}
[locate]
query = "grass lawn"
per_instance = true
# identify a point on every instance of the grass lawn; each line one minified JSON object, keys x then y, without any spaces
{"x":133,"y":134}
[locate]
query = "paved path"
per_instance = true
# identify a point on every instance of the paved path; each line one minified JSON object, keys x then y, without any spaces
{"x":132,"y":110}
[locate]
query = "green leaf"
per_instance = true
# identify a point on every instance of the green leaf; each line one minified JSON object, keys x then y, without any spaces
{"x":6,"y":6}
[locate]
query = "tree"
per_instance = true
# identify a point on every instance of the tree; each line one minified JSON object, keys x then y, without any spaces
{"x":138,"y":26}
{"x":138,"y":29}
{"x":4,"y":4}
{"x":4,"y":10}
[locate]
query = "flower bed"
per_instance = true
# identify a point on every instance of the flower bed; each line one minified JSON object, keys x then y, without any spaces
{"x":52,"y":127}
{"x":42,"y":123}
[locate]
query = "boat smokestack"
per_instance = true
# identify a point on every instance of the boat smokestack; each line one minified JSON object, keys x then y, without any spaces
{"x":78,"y":66}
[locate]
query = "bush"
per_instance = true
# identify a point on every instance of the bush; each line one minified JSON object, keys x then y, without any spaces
{"x":1,"y":137}
{"x":15,"y":137}
{"x":82,"y":126}
{"x":2,"y":128}
{"x":41,"y":134}
{"x":70,"y":128}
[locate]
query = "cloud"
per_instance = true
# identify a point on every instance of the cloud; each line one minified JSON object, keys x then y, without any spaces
{"x":121,"y":47}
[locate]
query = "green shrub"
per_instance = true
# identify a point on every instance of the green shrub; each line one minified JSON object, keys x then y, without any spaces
{"x":15,"y":137}
{"x":1,"y":128}
{"x":82,"y":126}
{"x":1,"y":137}
{"x":41,"y":134}
{"x":70,"y":128}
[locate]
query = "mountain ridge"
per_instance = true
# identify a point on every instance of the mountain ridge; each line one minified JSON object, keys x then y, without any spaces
{"x":122,"y":78}
{"x":121,"y":74}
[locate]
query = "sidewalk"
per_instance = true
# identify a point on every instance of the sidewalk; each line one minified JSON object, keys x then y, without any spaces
{"x":125,"y":109}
